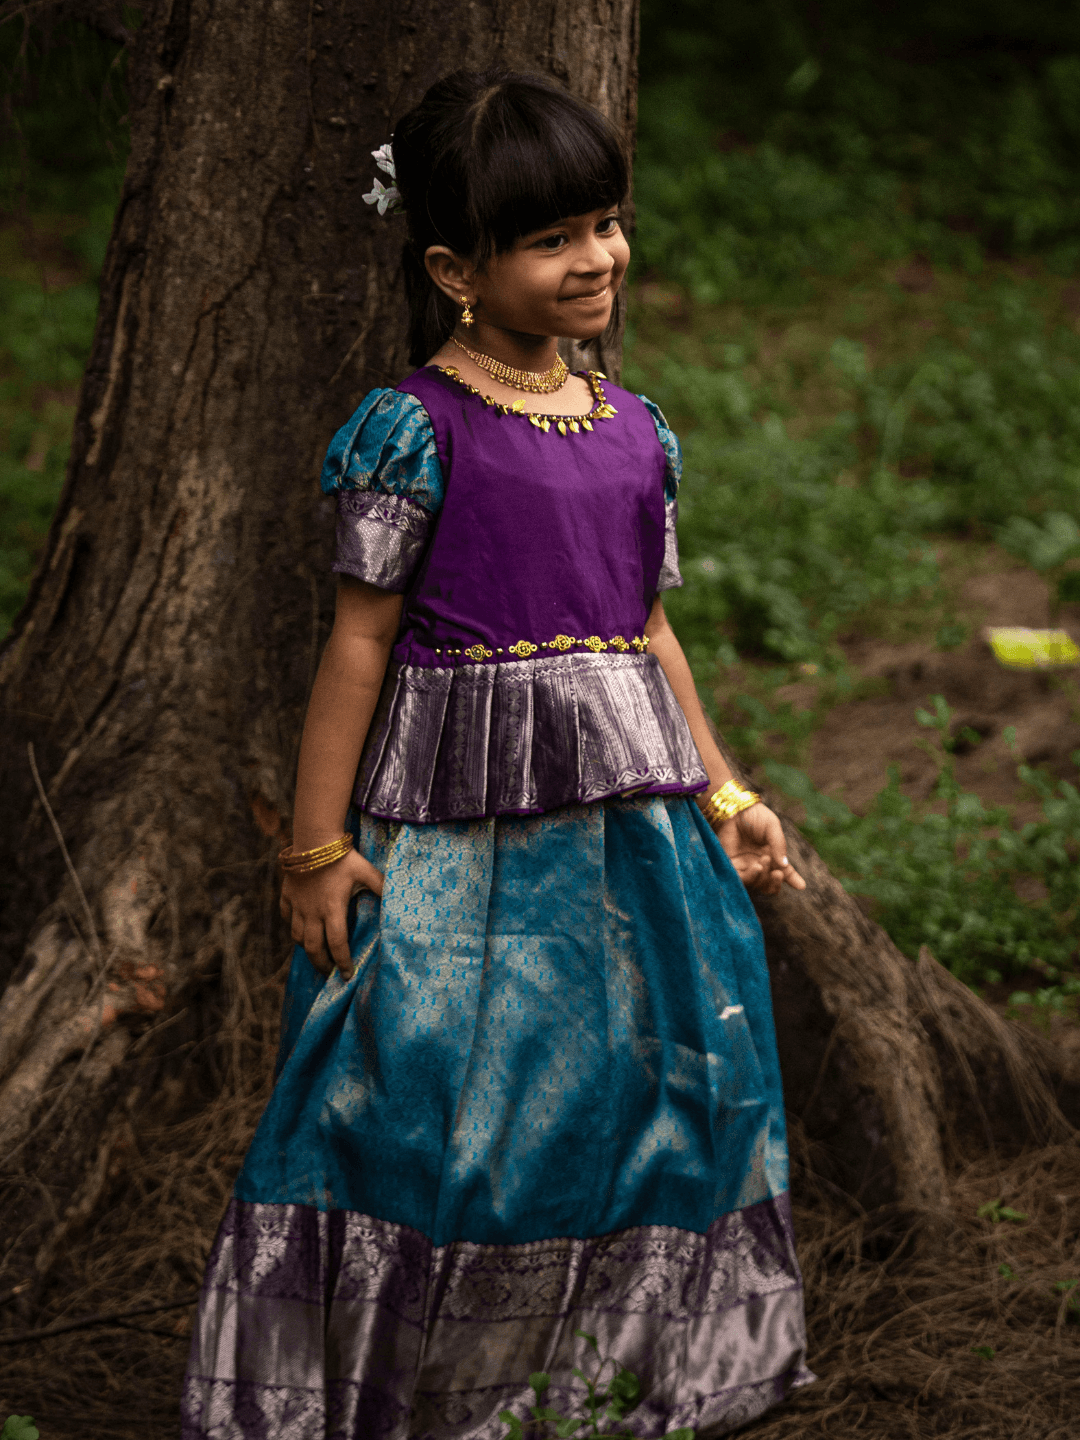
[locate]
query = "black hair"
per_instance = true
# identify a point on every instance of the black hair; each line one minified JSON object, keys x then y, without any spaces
{"x":486,"y":157}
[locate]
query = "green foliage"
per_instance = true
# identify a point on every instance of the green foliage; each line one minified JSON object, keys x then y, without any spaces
{"x":1047,"y":545}
{"x":776,"y":137}
{"x":775,"y":554}
{"x":605,"y":1405}
{"x":944,"y":877}
{"x":19,"y":1427}
{"x":743,"y":223}
{"x":993,"y":423}
{"x":996,"y":1212}
{"x":61,"y":164}
{"x":1070,"y":1288}
{"x":44,"y":341}
{"x":788,"y":536}
{"x":64,"y":127}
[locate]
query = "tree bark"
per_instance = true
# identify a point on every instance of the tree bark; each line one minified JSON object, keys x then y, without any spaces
{"x":153,"y":688}
{"x":157,"y":677}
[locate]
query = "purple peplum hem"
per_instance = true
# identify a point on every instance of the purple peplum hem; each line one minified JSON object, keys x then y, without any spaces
{"x":466,"y":741}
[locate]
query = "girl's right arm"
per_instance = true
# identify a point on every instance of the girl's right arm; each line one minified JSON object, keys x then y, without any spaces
{"x":342,"y":703}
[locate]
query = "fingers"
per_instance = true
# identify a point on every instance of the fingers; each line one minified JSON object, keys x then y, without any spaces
{"x":776,"y":843}
{"x":314,"y":943}
{"x":337,"y":939}
{"x":783,"y":872}
{"x":761,"y":827}
{"x":746,"y":865}
{"x":315,"y":908}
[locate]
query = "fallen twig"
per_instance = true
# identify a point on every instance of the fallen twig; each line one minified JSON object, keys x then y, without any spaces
{"x":88,"y":1322}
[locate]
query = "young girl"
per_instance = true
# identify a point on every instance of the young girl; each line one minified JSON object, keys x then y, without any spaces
{"x":539,"y":1091}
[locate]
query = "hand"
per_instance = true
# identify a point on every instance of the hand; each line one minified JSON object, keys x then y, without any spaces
{"x":754,"y":843}
{"x":316,"y":904}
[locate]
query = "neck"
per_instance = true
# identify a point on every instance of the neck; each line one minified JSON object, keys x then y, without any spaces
{"x":523,"y":352}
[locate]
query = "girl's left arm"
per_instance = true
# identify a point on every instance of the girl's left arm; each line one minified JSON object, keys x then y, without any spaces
{"x":754,"y":839}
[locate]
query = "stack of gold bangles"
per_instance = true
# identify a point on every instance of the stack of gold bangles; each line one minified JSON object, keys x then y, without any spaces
{"x":299,"y":864}
{"x":727,"y":802}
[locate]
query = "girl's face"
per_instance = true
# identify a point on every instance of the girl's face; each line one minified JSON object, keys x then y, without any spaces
{"x":559,"y":281}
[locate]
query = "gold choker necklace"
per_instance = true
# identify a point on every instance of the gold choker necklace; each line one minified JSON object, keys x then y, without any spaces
{"x":543,"y":382}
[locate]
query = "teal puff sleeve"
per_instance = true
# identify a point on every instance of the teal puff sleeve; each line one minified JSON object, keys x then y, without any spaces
{"x":384,"y":469}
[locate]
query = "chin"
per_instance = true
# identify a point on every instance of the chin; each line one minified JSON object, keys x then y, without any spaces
{"x":587,"y":330}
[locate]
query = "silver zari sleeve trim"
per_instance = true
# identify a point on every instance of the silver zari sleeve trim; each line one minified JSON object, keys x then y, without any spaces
{"x":669,"y":570}
{"x":380,"y":538}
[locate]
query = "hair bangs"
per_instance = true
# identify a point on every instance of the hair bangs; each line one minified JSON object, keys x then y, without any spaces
{"x":540,"y":157}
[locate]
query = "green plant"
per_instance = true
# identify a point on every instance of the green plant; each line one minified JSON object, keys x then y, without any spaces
{"x":1047,"y":545}
{"x":946,"y":879}
{"x":61,"y":164}
{"x":606,"y":1404}
{"x":19,"y":1427}
{"x":1072,"y":1305}
{"x":776,"y":554}
{"x":1056,"y":999}
{"x":968,"y":147}
{"x":995,"y":1212}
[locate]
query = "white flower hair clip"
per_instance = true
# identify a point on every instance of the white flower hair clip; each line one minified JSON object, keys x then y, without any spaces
{"x":386,"y":197}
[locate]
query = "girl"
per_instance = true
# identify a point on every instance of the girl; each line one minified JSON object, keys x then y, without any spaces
{"x":539,"y":1091}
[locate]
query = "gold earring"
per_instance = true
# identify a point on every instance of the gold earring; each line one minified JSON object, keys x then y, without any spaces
{"x":466,"y":314}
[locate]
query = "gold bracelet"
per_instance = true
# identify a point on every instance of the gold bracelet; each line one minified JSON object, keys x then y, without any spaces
{"x":727,"y":802}
{"x":305,"y":860}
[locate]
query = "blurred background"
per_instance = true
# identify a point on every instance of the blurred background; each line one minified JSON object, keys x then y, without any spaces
{"x":855,"y":293}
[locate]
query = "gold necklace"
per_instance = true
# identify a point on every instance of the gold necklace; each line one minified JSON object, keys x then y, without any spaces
{"x":564,"y":424}
{"x":536,"y":382}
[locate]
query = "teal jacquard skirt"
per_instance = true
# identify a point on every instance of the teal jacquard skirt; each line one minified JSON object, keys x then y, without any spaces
{"x":547,"y":1100}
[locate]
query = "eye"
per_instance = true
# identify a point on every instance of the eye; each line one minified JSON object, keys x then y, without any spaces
{"x":608,"y":225}
{"x":551,"y":242}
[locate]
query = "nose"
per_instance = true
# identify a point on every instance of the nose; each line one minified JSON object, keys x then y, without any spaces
{"x":595,"y":258}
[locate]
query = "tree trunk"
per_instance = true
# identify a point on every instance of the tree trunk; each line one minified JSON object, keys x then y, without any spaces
{"x":154,"y":686}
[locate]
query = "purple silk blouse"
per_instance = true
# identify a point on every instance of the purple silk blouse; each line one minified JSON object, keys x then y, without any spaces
{"x":520,"y":679}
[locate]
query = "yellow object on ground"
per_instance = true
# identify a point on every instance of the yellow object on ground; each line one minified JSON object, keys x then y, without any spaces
{"x":1020,"y":648}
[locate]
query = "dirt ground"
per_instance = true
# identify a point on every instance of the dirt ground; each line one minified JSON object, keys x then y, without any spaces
{"x":850,"y":753}
{"x":857,"y":742}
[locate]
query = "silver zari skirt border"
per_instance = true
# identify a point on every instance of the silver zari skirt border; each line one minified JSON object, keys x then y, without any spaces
{"x":335,"y":1326}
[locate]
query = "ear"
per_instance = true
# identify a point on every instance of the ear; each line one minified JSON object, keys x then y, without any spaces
{"x":450,"y":272}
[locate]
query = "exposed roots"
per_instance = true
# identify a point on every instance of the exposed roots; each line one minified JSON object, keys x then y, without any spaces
{"x":138,"y":1234}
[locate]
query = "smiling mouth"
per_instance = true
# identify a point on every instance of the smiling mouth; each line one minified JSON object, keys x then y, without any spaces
{"x":589,"y":295}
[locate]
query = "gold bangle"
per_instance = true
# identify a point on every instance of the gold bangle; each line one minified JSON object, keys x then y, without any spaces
{"x":304,"y":857}
{"x":727,"y":802}
{"x":305,"y":860}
